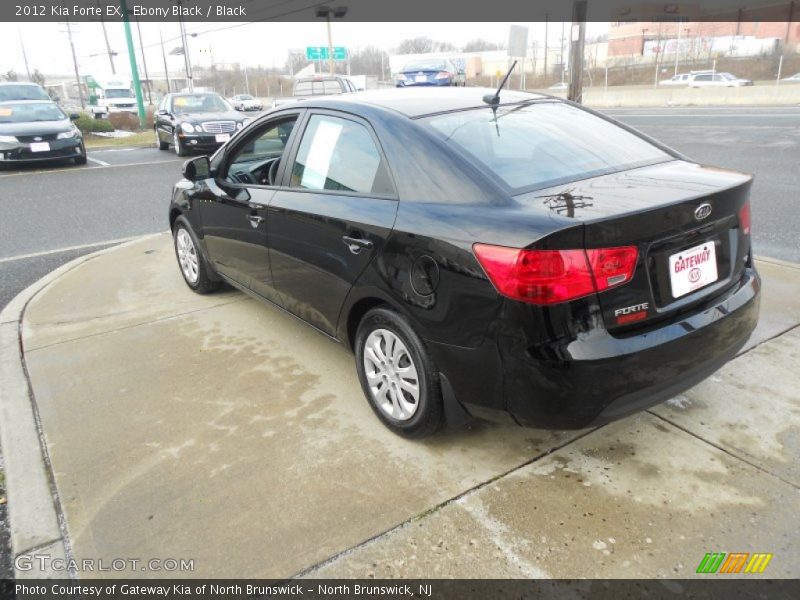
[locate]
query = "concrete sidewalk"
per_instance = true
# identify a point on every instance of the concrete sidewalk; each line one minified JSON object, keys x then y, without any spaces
{"x":221,"y":430}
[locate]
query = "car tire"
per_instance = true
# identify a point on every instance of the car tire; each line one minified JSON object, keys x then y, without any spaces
{"x":408,"y":409}
{"x":180,"y":149}
{"x":159,"y":144}
{"x":193,"y":266}
{"x":81,"y":160}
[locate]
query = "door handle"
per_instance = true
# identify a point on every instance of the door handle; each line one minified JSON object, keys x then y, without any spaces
{"x":255,"y":220}
{"x":356,"y":244}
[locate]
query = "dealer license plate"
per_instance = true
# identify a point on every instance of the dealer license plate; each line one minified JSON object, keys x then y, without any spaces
{"x":692,"y":269}
{"x":40,"y":147}
{"x":223,"y":137}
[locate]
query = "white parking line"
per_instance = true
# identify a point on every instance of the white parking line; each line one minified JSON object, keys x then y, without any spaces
{"x":84,"y":169}
{"x":102,"y":163}
{"x":68,"y":249}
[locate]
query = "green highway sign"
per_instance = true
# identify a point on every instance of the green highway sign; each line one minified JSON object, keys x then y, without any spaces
{"x":321,"y":53}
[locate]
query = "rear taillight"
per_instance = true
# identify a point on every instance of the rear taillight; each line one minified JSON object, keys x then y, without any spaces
{"x":554,"y":276}
{"x":744,"y":218}
{"x":443,"y":75}
{"x":612,"y":266}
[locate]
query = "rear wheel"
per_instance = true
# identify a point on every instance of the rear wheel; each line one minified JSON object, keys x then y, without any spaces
{"x":193,"y":266}
{"x":397,"y":374}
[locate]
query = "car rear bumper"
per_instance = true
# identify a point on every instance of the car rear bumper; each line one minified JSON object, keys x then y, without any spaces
{"x":598,"y":377}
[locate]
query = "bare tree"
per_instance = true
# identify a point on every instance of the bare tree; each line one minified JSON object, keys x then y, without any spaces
{"x":37,"y":77}
{"x":10,"y":75}
{"x":369,"y":61}
{"x":479,"y":45}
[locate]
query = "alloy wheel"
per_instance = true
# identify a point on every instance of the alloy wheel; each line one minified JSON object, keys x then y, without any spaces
{"x":391,"y":375}
{"x":187,"y":255}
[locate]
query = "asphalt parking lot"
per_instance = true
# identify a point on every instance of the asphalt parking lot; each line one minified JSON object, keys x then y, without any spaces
{"x":57,"y":213}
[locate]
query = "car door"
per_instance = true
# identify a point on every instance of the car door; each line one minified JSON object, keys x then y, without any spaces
{"x":331,"y":217}
{"x":235,"y":215}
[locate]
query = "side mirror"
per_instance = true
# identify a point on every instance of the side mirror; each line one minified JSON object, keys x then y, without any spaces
{"x":74,"y":116}
{"x":196,"y":169}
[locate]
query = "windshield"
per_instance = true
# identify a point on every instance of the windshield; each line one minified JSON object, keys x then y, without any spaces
{"x":119,"y":93}
{"x":245,"y":97}
{"x":425,"y":65}
{"x":727,"y":76}
{"x":22,"y":92}
{"x":199,"y":103}
{"x":543,"y":144}
{"x":26,"y":112}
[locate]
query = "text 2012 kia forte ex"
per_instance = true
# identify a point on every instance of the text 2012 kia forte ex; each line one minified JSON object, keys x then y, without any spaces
{"x":515,"y":256}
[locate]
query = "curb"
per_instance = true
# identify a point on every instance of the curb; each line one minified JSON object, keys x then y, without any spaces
{"x":35,"y":520}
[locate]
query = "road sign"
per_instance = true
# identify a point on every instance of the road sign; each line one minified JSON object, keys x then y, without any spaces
{"x":321,"y":53}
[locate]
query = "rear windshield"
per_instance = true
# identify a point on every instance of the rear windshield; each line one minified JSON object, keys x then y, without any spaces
{"x":425,"y":65}
{"x":22,"y":92}
{"x":544,"y":144}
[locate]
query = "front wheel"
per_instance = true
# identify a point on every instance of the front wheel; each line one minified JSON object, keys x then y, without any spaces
{"x":194,"y":269}
{"x":180,"y":149}
{"x":397,"y":374}
{"x":81,"y":160}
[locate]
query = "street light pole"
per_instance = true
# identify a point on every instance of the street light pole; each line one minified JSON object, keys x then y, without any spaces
{"x":24,"y":56}
{"x":185,"y":43}
{"x":164,"y":57}
{"x":144,"y":61}
{"x":577,"y":39}
{"x":105,"y":36}
{"x":327,"y":12}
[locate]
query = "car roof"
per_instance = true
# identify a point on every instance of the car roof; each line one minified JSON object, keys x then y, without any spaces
{"x":2,"y":83}
{"x":418,"y":102}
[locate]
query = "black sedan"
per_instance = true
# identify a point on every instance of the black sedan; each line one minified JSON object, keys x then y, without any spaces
{"x":195,"y":122}
{"x":527,"y":260}
{"x":38,"y":130}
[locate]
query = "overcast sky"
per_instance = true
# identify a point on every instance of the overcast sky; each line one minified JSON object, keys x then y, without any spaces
{"x":251,"y":44}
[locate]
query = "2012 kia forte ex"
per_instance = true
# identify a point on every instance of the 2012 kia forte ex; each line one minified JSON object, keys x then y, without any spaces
{"x":513,"y":256}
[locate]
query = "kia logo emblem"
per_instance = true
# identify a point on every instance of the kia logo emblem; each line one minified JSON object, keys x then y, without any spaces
{"x":37,"y":139}
{"x":702,"y":211}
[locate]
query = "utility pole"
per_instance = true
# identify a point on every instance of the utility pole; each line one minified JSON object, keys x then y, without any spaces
{"x":186,"y":60}
{"x":246,"y":81}
{"x":164,"y":56}
{"x":24,"y":56}
{"x":75,"y":62}
{"x":331,"y":64}
{"x":105,"y":36}
{"x":678,"y":47}
{"x":577,"y":40}
{"x":546,"y":24}
{"x":144,"y":61}
{"x":561,"y":59}
{"x":137,"y":85}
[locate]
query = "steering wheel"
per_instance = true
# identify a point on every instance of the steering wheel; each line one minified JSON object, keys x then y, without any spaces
{"x":273,"y":171}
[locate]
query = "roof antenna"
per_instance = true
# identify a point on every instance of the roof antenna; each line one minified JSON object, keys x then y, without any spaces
{"x":493,"y":101}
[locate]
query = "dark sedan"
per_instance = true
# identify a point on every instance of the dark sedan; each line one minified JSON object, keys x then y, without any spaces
{"x":38,"y":130}
{"x":430,"y":71}
{"x":195,"y":122}
{"x":527,"y":260}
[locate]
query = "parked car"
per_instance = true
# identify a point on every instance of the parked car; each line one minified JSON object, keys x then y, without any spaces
{"x":681,"y":79}
{"x":430,"y":71}
{"x":202,"y":121}
{"x":319,"y":85}
{"x":717,"y":80}
{"x":38,"y":130}
{"x":246,"y":102}
{"x":793,"y":79}
{"x":19,"y":90}
{"x":528,"y":257}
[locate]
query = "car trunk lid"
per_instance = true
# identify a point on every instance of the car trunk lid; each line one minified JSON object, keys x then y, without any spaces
{"x":683,"y":219}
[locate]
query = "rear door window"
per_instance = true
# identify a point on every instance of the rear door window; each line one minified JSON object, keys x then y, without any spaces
{"x":536,"y":145}
{"x":339,"y":155}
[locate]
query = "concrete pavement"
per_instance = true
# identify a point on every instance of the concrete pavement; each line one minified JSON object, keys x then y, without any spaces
{"x":223,"y":431}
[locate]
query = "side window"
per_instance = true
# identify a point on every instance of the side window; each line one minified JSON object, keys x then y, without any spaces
{"x":702,"y":78}
{"x":163,"y":104}
{"x":303,"y":88}
{"x":251,"y":162}
{"x":338,"y":154}
{"x":331,"y":86}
